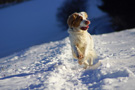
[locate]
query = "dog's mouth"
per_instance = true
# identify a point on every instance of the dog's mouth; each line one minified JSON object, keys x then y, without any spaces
{"x":85,"y":28}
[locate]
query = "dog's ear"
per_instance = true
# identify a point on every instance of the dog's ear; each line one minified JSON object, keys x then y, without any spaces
{"x":85,"y":14}
{"x":71,"y":19}
{"x":74,"y":20}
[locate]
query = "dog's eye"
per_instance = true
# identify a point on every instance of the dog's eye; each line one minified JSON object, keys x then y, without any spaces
{"x":81,"y":18}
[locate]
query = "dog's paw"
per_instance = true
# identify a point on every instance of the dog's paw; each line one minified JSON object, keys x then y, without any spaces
{"x":80,"y":56}
{"x":85,"y":67}
{"x":80,"y":62}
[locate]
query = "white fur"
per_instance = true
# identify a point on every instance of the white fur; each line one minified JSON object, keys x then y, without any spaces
{"x":82,"y":45}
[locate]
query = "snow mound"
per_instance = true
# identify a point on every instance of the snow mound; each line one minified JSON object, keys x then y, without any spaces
{"x":50,"y":66}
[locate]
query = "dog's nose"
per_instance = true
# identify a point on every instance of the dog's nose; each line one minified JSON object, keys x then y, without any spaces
{"x":87,"y":22}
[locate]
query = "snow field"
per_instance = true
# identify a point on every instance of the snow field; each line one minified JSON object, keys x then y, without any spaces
{"x":50,"y":66}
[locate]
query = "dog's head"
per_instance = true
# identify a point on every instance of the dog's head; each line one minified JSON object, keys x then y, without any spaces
{"x":78,"y":20}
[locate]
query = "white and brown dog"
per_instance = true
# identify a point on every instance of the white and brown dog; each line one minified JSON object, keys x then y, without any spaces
{"x":81,"y":41}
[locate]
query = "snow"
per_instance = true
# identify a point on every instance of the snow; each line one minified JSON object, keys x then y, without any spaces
{"x":50,"y":66}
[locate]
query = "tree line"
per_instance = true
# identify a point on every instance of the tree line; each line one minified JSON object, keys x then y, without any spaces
{"x":5,"y":3}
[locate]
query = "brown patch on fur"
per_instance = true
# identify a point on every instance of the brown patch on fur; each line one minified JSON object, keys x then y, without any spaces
{"x":74,"y":20}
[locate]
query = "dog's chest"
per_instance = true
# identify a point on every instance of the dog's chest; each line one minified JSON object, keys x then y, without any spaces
{"x":80,"y":40}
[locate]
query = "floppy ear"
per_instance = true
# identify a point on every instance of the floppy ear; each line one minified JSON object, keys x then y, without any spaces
{"x":71,"y":19}
{"x":85,"y":14}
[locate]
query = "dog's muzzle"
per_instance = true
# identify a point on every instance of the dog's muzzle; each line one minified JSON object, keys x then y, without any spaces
{"x":86,"y":22}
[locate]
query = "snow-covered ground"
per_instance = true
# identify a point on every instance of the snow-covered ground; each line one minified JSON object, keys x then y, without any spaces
{"x":50,"y":66}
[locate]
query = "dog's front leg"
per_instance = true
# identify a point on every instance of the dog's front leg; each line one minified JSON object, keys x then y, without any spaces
{"x":78,"y":53}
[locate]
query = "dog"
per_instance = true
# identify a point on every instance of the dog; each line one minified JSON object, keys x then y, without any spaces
{"x":81,"y":41}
